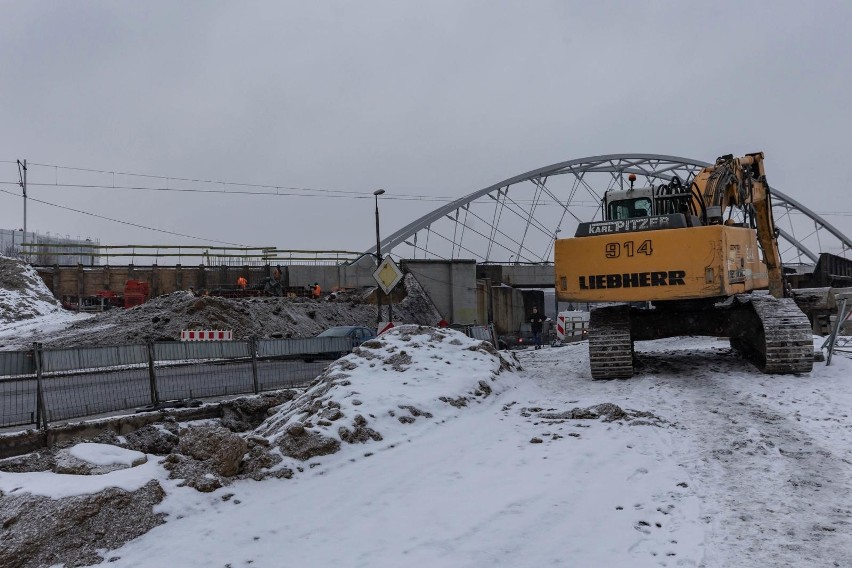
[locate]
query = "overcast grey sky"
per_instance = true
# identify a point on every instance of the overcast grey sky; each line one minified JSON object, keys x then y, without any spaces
{"x":438,"y":98}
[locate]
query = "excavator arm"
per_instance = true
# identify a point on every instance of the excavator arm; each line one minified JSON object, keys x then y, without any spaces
{"x":741,"y":182}
{"x":766,"y":231}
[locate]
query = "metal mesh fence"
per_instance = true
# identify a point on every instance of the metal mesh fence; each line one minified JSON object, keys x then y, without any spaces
{"x":203,"y":380}
{"x":185,"y":351}
{"x":80,"y":358}
{"x":75,"y":395}
{"x":81,"y":382}
{"x":17,"y":401}
{"x":287,"y":373}
{"x":16,"y":363}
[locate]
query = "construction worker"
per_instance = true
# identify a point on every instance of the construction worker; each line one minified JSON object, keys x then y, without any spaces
{"x":315,"y":290}
{"x":536,"y":320}
{"x":242,"y":283}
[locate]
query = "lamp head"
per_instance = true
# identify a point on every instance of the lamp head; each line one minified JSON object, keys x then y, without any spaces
{"x":378,"y":192}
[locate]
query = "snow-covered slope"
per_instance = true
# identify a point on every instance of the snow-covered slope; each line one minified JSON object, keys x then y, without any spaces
{"x":28,"y":309}
{"x":23,"y":294}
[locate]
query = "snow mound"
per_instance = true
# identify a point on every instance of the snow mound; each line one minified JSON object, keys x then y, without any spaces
{"x":106,"y":454}
{"x":23,"y":294}
{"x":410,"y":379}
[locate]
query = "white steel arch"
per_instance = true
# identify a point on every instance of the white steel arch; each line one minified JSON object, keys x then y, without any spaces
{"x":516,"y":220}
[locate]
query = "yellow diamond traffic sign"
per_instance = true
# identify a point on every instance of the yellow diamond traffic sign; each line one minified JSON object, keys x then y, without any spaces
{"x":387,"y":275}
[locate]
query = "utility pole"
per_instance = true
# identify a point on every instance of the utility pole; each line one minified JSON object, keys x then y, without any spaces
{"x":377,"y":193}
{"x":22,"y":174}
{"x":555,"y":289}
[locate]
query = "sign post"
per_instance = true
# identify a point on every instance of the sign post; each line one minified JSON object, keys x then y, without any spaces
{"x":387,"y":276}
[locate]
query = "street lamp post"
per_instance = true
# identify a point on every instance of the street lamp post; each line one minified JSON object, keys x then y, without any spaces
{"x":377,"y":193}
{"x":555,"y":290}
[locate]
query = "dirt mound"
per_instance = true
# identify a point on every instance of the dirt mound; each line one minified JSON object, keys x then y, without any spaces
{"x":23,"y":294}
{"x":407,"y":379}
{"x":163,"y":318}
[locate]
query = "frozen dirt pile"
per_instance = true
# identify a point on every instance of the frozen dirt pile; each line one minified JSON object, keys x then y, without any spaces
{"x":23,"y":294}
{"x":163,"y":318}
{"x":405,"y":381}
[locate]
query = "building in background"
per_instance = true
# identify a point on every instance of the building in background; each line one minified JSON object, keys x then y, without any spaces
{"x":49,"y":249}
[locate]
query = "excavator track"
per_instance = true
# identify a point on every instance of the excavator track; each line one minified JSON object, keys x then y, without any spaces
{"x":779,"y":340}
{"x":610,"y":345}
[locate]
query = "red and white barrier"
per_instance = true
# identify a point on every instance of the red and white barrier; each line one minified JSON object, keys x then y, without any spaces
{"x":384,"y":326}
{"x":206,"y":335}
{"x":571,"y":324}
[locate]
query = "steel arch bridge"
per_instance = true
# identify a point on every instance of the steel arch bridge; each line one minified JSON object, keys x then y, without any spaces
{"x":517,"y":220}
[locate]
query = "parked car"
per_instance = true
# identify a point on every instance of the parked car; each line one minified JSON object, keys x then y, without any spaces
{"x":357,"y":334}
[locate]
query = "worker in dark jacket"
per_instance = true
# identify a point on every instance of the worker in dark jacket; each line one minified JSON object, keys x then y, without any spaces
{"x":536,"y":320}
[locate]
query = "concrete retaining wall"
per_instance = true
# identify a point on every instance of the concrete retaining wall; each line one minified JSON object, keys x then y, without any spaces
{"x":83,"y":281}
{"x":451,"y":285}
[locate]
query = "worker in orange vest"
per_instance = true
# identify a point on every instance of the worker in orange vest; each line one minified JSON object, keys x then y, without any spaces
{"x":242,"y":283}
{"x":315,"y":290}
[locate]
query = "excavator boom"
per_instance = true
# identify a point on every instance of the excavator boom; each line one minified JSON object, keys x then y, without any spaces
{"x":741,"y":182}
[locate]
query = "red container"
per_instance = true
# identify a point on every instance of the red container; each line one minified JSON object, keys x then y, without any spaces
{"x":135,"y":292}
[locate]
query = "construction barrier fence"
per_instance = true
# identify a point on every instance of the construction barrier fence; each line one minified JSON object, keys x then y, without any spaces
{"x":40,"y":386}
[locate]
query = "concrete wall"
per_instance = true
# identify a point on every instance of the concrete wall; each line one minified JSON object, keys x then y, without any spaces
{"x":511,"y":307}
{"x":520,"y":275}
{"x":533,"y":276}
{"x":508,"y":309}
{"x":451,"y":285}
{"x":84,"y":281}
{"x":484,"y":306}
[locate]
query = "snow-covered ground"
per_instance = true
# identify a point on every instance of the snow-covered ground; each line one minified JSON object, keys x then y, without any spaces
{"x":28,"y":309}
{"x":729,"y":468}
{"x":20,"y":334}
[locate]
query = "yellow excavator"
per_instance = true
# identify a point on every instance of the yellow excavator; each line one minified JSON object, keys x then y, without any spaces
{"x":684,"y":258}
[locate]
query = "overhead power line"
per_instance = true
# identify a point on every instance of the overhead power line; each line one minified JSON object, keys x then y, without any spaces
{"x":346,"y":195}
{"x":129,"y":223}
{"x":288,"y":192}
{"x":367,"y":194}
{"x":278,"y":189}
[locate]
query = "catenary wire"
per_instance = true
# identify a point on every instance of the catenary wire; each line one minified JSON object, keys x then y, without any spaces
{"x":130,"y":223}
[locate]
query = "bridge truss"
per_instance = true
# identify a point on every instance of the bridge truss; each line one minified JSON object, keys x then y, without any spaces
{"x":517,"y":220}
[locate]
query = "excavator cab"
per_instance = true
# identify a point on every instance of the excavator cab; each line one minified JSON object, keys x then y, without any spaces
{"x":629,"y":204}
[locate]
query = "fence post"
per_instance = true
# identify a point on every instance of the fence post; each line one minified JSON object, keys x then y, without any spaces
{"x":838,"y":323}
{"x":253,"y":348}
{"x":41,"y":410}
{"x":493,"y":334}
{"x":152,"y":375}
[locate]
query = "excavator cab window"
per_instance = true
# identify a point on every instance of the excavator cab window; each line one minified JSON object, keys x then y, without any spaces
{"x":629,"y":208}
